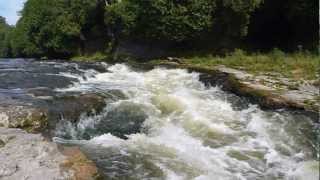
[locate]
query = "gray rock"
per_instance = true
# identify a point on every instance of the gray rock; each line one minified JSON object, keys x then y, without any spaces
{"x":283,"y":91}
{"x":29,"y":156}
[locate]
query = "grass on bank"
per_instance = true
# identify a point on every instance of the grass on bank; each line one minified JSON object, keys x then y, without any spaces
{"x":298,"y":66}
{"x":98,"y":56}
{"x":302,"y":65}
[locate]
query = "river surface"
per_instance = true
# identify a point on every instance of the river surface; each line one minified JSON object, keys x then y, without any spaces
{"x":166,"y":124}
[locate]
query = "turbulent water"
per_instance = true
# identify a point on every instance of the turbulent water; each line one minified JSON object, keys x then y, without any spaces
{"x":166,"y":124}
{"x":163,"y":123}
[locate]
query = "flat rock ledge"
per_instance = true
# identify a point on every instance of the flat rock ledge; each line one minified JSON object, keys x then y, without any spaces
{"x":29,"y":156}
{"x":35,"y":119}
{"x":270,"y":91}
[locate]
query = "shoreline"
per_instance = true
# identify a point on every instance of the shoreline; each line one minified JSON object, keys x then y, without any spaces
{"x":252,"y":87}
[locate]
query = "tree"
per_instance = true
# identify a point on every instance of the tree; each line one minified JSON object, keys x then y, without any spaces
{"x":181,"y":20}
{"x":55,"y":28}
{"x":161,"y":19}
{"x":4,"y":36}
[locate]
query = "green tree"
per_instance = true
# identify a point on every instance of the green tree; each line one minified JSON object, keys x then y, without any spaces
{"x":53,"y":28}
{"x":182,"y":20}
{"x":4,"y":36}
{"x":161,"y":19}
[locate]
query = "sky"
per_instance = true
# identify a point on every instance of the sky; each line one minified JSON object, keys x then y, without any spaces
{"x":9,"y":9}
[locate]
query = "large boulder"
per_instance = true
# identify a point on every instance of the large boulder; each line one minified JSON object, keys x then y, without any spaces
{"x":30,"y":156}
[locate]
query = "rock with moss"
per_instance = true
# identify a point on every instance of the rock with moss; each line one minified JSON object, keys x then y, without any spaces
{"x":24,"y":117}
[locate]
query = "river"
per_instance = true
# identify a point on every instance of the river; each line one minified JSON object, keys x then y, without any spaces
{"x":166,"y":124}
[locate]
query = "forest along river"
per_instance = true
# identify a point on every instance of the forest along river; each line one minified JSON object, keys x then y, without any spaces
{"x":166,"y":124}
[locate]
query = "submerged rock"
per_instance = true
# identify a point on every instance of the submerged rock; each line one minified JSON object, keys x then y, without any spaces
{"x":82,"y":167}
{"x":125,"y":119}
{"x":70,"y":107}
{"x":119,"y":120}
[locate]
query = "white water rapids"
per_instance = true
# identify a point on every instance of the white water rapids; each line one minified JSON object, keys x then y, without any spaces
{"x":191,"y":131}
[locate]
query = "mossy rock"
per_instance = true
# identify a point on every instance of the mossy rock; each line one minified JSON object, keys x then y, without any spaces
{"x":36,"y":122}
{"x":24,"y":117}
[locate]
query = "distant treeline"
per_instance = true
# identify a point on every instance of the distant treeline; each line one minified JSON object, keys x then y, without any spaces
{"x":65,"y":28}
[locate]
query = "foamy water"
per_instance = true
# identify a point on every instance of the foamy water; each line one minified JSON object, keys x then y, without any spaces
{"x":189,"y":131}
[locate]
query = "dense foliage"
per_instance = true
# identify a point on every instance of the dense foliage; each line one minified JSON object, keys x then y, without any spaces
{"x":64,"y":28}
{"x":162,"y":19}
{"x":183,"y":20}
{"x":4,"y":38}
{"x":54,"y":28}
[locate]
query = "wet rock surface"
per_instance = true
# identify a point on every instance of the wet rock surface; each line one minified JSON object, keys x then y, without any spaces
{"x":29,"y":96}
{"x":29,"y":156}
{"x":72,"y":106}
{"x":82,"y":167}
{"x":30,"y":100}
{"x":121,"y":121}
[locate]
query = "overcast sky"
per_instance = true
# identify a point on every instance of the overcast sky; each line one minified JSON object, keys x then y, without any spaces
{"x":9,"y":9}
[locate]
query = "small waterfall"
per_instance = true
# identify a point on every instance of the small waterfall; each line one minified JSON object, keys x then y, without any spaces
{"x":169,"y":125}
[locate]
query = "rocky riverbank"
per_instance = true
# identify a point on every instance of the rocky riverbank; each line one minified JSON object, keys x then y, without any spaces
{"x":32,"y":156}
{"x":29,"y":156}
{"x":19,"y":147}
{"x":270,"y":91}
{"x":29,"y":112}
{"x":30,"y":107}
